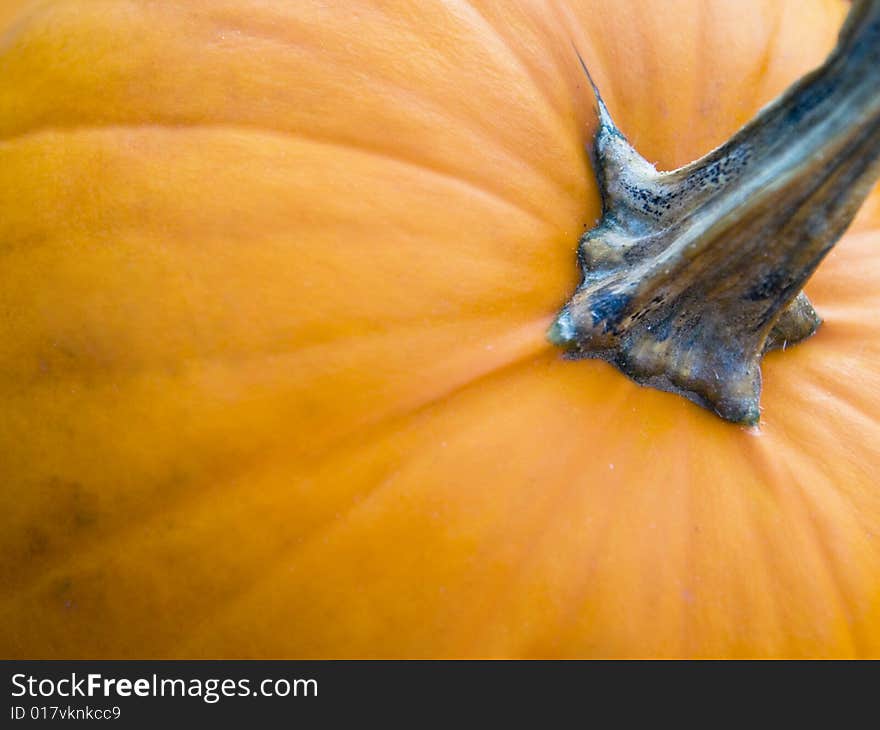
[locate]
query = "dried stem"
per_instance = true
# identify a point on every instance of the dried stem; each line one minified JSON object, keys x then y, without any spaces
{"x":691,"y":275}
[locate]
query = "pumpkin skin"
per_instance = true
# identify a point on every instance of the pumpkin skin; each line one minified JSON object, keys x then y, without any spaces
{"x":273,"y":362}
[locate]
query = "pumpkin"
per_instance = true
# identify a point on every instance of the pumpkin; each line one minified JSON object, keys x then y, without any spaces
{"x":275,"y":378}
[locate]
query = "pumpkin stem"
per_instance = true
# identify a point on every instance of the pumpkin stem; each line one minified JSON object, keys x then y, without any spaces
{"x":692,"y":275}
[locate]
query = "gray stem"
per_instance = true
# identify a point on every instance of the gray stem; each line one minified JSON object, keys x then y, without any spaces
{"x":691,"y":275}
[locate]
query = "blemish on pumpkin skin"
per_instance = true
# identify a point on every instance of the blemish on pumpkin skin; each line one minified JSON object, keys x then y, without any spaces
{"x":62,"y":585}
{"x":87,"y":358}
{"x":74,"y":501}
{"x":61,"y":591}
{"x":73,"y":512}
{"x":37,"y":543}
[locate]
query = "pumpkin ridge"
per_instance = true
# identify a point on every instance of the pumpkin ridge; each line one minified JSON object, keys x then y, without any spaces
{"x":477,"y":17}
{"x":840,"y":589}
{"x":542,"y":536}
{"x":366,"y":434}
{"x":413,"y":422}
{"x":814,"y":486}
{"x":523,"y":66}
{"x":763,"y":65}
{"x":354,"y":145}
{"x":58,"y":566}
{"x":806,"y":504}
{"x":759,"y":573}
{"x":825,"y":383}
{"x":765,"y":551}
{"x":538,"y":348}
{"x":84,"y":556}
{"x":812,"y":434}
{"x":363,"y":440}
{"x":483,"y":136}
{"x":589,"y":601}
{"x":276,"y":563}
{"x":281,"y":350}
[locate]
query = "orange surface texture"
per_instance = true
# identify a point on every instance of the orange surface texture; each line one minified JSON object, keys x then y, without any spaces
{"x":274,"y":289}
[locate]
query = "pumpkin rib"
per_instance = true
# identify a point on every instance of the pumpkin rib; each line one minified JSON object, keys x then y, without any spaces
{"x":416,"y":423}
{"x":535,"y":538}
{"x":759,"y":572}
{"x":364,"y":436}
{"x":305,"y":540}
{"x":848,"y":274}
{"x":285,"y":350}
{"x":600,"y":65}
{"x":787,"y":497}
{"x":486,"y":135}
{"x":839,"y":590}
{"x":113,"y":543}
{"x":529,"y":566}
{"x":624,"y":504}
{"x":62,"y":564}
{"x":232,"y":345}
{"x":832,"y":492}
{"x":568,"y":20}
{"x":578,"y":102}
{"x":687,"y":641}
{"x":561,"y":30}
{"x":481,"y":21}
{"x":193,"y":505}
{"x":822,"y":383}
{"x":833,"y":563}
{"x":826,"y":561}
{"x":456,"y":177}
{"x":370,"y":430}
{"x":762,"y":70}
{"x":699,"y":561}
{"x":647,"y":125}
{"x":777,"y":607}
{"x":184,"y":127}
{"x":814,"y":436}
{"x":483,"y":137}
{"x":852,"y":408}
{"x":618,"y":512}
{"x":218,"y":612}
{"x":757,"y":555}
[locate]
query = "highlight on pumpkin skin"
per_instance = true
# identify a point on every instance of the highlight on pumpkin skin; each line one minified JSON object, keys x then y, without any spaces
{"x":690,"y":276}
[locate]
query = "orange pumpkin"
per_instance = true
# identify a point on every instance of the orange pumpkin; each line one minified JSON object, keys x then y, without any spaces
{"x":275,"y":287}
